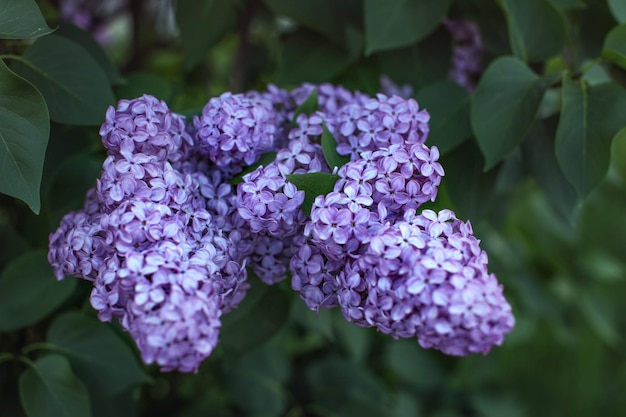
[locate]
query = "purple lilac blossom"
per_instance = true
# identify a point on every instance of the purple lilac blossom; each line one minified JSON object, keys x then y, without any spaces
{"x":426,"y":277}
{"x":160,"y":237}
{"x":235,"y":129}
{"x":467,"y":53}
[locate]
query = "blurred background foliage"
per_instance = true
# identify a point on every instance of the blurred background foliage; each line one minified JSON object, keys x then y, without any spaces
{"x":551,"y":214}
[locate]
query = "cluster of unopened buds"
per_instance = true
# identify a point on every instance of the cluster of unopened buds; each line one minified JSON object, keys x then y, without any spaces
{"x":183,"y":211}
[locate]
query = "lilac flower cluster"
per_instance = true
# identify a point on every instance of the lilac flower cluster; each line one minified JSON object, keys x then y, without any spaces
{"x":167,"y":240}
{"x":159,"y":237}
{"x":467,"y":53}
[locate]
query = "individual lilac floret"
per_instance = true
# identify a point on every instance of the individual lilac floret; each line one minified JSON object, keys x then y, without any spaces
{"x":426,"y":277}
{"x":313,"y":275}
{"x":270,"y":258}
{"x":377,"y":123}
{"x":467,"y":53}
{"x":234,"y":130}
{"x":330,"y":98}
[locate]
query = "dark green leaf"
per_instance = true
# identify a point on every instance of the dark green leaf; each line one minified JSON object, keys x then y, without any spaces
{"x":98,"y":356}
{"x":449,"y":108}
{"x":615,"y":46}
{"x":328,"y":17}
{"x":50,"y":389}
{"x":140,"y":83}
{"x":87,"y":41}
{"x":308,"y":107}
{"x":536,"y":28}
{"x":504,"y":107}
{"x":568,"y":4}
{"x":342,"y":388}
{"x":204,"y":24}
{"x":264,"y":160}
{"x":470,"y":189}
{"x":420,"y":64}
{"x":590,"y":117}
{"x":259,"y":316}
{"x":413,"y":365}
{"x":305,"y":57}
{"x":313,"y":184}
{"x":390,"y":25}
{"x":538,"y":154}
{"x":329,"y":148}
{"x":618,"y":9}
{"x":24,"y":132}
{"x":256,"y":381}
{"x":75,"y":87}
{"x":29,"y":291}
{"x":67,"y":190}
{"x":22,"y":19}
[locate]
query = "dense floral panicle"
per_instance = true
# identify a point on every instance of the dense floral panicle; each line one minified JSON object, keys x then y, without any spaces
{"x":181,"y":328}
{"x":313,"y":275}
{"x":270,"y":257}
{"x":426,"y":277}
{"x":467,"y":53}
{"x":95,"y":16}
{"x":150,"y":129}
{"x":235,"y":129}
{"x":377,"y":123}
{"x":390,"y":88}
{"x":77,"y":246}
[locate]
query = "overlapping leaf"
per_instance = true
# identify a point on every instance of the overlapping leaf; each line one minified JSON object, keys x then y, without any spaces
{"x":98,"y":356}
{"x":400,"y":23}
{"x":74,"y":85}
{"x":504,"y":106}
{"x":49,"y":388}
{"x":24,"y":131}
{"x":22,"y":19}
{"x":29,"y":291}
{"x":590,"y":117}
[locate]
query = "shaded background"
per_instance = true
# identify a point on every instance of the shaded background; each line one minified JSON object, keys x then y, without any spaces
{"x":559,"y":254}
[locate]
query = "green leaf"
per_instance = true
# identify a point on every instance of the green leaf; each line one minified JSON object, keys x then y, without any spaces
{"x":203,"y":24}
{"x":504,"y":106}
{"x":536,"y":28}
{"x":308,"y":107}
{"x":140,"y":83}
{"x":390,"y":25}
{"x":264,"y":160}
{"x":87,"y":41}
{"x":97,"y":354}
{"x":413,"y":365}
{"x":420,"y":64}
{"x":329,"y":148}
{"x":342,"y":388}
{"x":330,"y":18}
{"x":539,"y":158}
{"x":260,"y":315}
{"x":568,"y":4}
{"x":75,"y":87}
{"x":22,"y":19}
{"x":590,"y":117}
{"x":306,"y":57}
{"x":256,"y":381}
{"x":50,"y":389}
{"x":29,"y":291}
{"x":614,"y":49}
{"x":449,"y":109}
{"x":471,"y":190}
{"x":618,"y":9}
{"x":313,"y":184}
{"x":24,"y":132}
